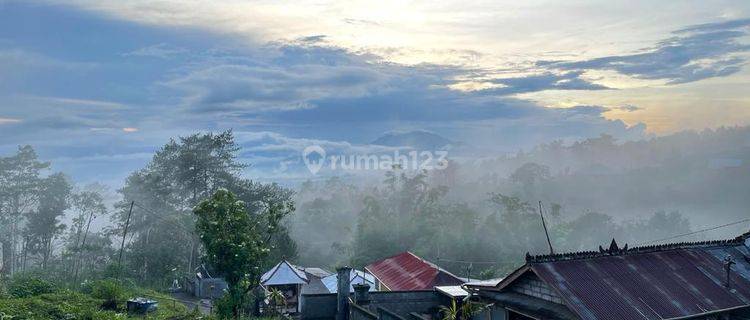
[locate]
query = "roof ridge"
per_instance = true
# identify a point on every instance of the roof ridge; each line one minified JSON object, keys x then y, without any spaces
{"x":615,"y":251}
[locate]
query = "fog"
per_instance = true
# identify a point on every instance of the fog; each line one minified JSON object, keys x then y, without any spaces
{"x":486,"y":210}
{"x":477,"y":216}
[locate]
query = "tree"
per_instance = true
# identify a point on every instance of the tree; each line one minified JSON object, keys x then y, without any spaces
{"x":529,"y":175}
{"x":450,"y":312}
{"x":44,"y":223}
{"x":237,"y":243}
{"x":181,"y":174}
{"x":19,"y":191}
{"x":88,"y":204}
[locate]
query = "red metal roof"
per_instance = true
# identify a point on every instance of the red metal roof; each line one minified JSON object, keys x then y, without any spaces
{"x":406,"y":271}
{"x":654,"y":284}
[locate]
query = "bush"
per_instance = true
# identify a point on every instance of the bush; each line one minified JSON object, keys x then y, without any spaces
{"x":63,"y":304}
{"x":28,"y":286}
{"x":108,"y":290}
{"x":3,"y":289}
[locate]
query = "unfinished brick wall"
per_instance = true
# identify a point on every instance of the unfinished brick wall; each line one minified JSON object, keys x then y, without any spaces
{"x":530,"y":285}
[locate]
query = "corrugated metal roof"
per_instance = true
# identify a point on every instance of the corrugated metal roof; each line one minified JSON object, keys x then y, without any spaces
{"x":485,"y":283}
{"x":283,"y":273}
{"x":316,"y":272}
{"x":406,"y":271}
{"x":355,"y":276}
{"x":658,"y":284}
{"x":452,"y":291}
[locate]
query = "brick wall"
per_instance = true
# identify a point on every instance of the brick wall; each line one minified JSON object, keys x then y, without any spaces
{"x":530,"y":285}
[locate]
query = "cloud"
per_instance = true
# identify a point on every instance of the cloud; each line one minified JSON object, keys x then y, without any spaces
{"x":9,"y":120}
{"x":540,"y":82}
{"x":364,"y":22}
{"x":73,"y":102}
{"x":161,"y":50}
{"x":313,"y":39}
{"x":627,"y":108}
{"x":695,"y":53}
{"x":277,"y":85}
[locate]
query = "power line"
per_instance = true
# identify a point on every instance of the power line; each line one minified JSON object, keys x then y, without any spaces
{"x":475,"y":262}
{"x":696,"y":232}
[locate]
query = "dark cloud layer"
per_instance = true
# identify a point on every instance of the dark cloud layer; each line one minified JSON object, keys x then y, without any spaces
{"x":695,"y":53}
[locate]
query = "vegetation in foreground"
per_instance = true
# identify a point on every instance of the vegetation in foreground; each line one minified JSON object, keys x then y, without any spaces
{"x":29,"y":297}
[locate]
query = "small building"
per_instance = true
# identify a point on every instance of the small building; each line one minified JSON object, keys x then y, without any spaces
{"x":293,"y":281}
{"x":365,"y":304}
{"x":700,"y":280}
{"x":406,"y":271}
{"x":204,"y":286}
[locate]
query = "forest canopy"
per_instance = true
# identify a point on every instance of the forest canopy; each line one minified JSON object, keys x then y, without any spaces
{"x":476,"y":218}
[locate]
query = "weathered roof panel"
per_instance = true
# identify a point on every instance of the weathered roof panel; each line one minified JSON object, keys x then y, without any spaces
{"x":406,"y":271}
{"x":659,"y":284}
{"x":452,"y":291}
{"x":283,"y":273}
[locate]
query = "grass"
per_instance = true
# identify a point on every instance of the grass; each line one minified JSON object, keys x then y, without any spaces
{"x":65,"y":304}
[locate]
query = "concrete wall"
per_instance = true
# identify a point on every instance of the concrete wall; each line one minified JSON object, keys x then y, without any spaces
{"x":399,"y":303}
{"x":385,"y":314}
{"x":495,"y":313}
{"x":318,"y":306}
{"x":404,"y":302}
{"x":361,"y":313}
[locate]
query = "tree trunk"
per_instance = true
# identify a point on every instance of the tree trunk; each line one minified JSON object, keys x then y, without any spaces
{"x":82,"y":244}
{"x":13,"y":258}
{"x":7,"y":257}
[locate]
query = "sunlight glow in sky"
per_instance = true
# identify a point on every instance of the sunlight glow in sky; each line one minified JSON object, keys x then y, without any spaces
{"x":103,"y":83}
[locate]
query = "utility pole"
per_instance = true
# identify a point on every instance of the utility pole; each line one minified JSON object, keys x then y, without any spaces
{"x":122,"y":245}
{"x":546,"y":233}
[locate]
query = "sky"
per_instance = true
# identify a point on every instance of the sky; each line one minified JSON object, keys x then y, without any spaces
{"x":97,"y":86}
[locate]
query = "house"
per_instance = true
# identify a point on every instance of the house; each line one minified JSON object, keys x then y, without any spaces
{"x":365,"y":304}
{"x":204,"y":286}
{"x":293,"y":281}
{"x":700,"y":280}
{"x":406,"y":271}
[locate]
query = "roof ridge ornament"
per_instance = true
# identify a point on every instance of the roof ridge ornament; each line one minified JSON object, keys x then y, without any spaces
{"x":614,"y":250}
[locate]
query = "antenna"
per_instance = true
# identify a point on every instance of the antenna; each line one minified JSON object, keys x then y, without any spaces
{"x":546,"y":233}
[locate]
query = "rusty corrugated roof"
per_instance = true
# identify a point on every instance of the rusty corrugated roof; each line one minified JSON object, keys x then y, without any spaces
{"x":651,"y":284}
{"x":406,"y":271}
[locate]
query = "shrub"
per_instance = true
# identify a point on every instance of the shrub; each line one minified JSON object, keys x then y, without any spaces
{"x":108,"y":290}
{"x":3,"y":289}
{"x":28,"y":286}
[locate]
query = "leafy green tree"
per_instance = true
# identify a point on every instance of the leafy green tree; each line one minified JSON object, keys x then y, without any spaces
{"x":184,"y":172}
{"x":20,"y":181}
{"x":44,"y":223}
{"x":237,"y":243}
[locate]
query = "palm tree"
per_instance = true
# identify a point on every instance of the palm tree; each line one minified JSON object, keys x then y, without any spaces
{"x":450,"y":313}
{"x":277,"y":301}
